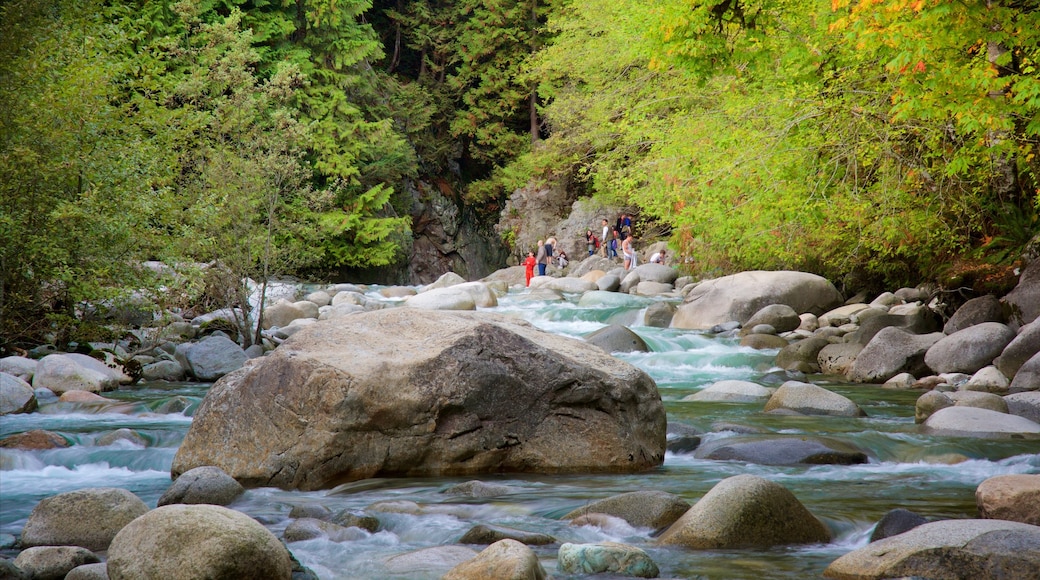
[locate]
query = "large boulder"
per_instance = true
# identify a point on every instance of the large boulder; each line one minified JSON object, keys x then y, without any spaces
{"x":185,"y":542}
{"x":812,"y":400}
{"x":407,"y":392}
{"x":947,"y":550}
{"x":911,"y":318}
{"x":214,"y":357}
{"x":746,"y":511}
{"x":896,"y":522}
{"x":803,"y":355}
{"x":503,"y":560}
{"x":568,"y":284}
{"x":966,"y":421}
{"x":837,"y":359}
{"x":781,"y":317}
{"x":450,"y":298}
{"x":659,"y":314}
{"x":645,"y":509}
{"x":617,"y":338}
{"x":19,"y":366}
{"x":657,"y":273}
{"x":1024,"y":300}
{"x":739,"y":296}
{"x":16,"y":395}
{"x":1025,"y":404}
{"x":206,"y":484}
{"x":605,"y":557}
{"x":782,"y":450}
{"x":968,"y":350}
{"x":1019,"y":350}
{"x":89,"y":518}
{"x":282,"y":312}
{"x":59,"y":373}
{"x":890,"y":352}
{"x":1028,"y":376}
{"x":1010,"y":497}
{"x":975,"y":311}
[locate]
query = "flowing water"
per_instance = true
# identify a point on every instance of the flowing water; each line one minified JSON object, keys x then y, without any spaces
{"x":906,"y":469}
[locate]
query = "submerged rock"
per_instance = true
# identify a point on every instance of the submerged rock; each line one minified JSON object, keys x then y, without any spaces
{"x":606,"y":557}
{"x":896,"y":522}
{"x":783,"y":450}
{"x":617,"y":338}
{"x":488,"y":534}
{"x":644,"y":509}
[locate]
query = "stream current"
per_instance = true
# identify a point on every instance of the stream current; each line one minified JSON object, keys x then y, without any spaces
{"x":906,"y":469}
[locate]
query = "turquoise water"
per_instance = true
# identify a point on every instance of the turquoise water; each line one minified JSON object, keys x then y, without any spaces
{"x":906,"y":468}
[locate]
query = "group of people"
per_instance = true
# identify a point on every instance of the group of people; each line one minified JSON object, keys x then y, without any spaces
{"x":546,"y":254}
{"x":607,"y":243}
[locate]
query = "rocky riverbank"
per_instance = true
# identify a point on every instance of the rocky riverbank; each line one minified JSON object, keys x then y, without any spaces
{"x":977,"y":372}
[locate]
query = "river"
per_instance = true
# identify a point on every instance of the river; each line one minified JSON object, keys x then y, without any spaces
{"x":906,"y":469}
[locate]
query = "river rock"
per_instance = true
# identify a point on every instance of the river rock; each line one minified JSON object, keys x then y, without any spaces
{"x":617,"y":338}
{"x":913,"y":319}
{"x":930,"y":402}
{"x":659,"y":314}
{"x":568,"y":285}
{"x":450,"y":298}
{"x":467,"y":399}
{"x":281,"y":313}
{"x":185,"y":542}
{"x":960,"y":421}
{"x":1019,"y":350}
{"x":1024,"y":300}
{"x":746,"y":511}
{"x":739,"y":296}
{"x":354,"y":519}
{"x":59,"y":373}
{"x":110,"y":367}
{"x":84,"y":397}
{"x":975,"y":311}
{"x":605,"y":557}
{"x":651,"y":272}
{"x":302,"y":529}
{"x":600,"y":298}
{"x":1010,"y":497}
{"x":781,"y":317}
{"x":1024,"y":405}
{"x":802,"y":355}
{"x":947,"y":550}
{"x":478,"y":489}
{"x":968,"y":350}
{"x":16,"y":395}
{"x":53,"y":562}
{"x":487,"y":534}
{"x":840,"y":316}
{"x":19,"y":366}
{"x":446,"y":280}
{"x":505,"y":560}
{"x":34,"y":440}
{"x":812,"y":400}
{"x":97,"y":571}
{"x":121,"y":435}
{"x":732,"y":391}
{"x":890,"y":352}
{"x":206,"y":484}
{"x":482,"y":294}
{"x":9,"y":571}
{"x":988,"y":380}
{"x":836,"y":359}
{"x":214,"y":357}
{"x":429,"y":562}
{"x":782,"y":450}
{"x":319,"y":298}
{"x":896,"y":522}
{"x":648,"y":288}
{"x":89,"y":518}
{"x":1028,"y":376}
{"x":763,"y":341}
{"x":644,"y":509}
{"x":978,"y":400}
{"x":609,"y":282}
{"x":164,"y":370}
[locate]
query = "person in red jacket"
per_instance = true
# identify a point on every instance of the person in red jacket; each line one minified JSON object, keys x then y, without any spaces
{"x":529,"y":265}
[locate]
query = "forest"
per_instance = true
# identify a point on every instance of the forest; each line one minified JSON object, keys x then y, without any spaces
{"x":870,"y":141}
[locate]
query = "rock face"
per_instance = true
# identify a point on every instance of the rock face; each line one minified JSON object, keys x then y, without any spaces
{"x":739,"y":296}
{"x":420,"y":393}
{"x":947,"y":550}
{"x":89,"y":518}
{"x":1010,"y":497}
{"x":746,"y":511}
{"x":503,"y":560}
{"x":184,"y":542}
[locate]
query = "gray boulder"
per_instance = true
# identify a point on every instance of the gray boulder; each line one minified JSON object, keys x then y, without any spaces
{"x":466,"y":399}
{"x":896,"y":522}
{"x":975,"y":311}
{"x":1024,"y":300}
{"x":206,"y":484}
{"x":644,"y":509}
{"x":659,"y":314}
{"x":478,"y":489}
{"x":617,"y":338}
{"x":16,"y":395}
{"x":214,"y":357}
{"x":732,"y":391}
{"x":647,"y":288}
{"x":446,"y":280}
{"x":186,"y":542}
{"x":837,"y":359}
{"x":763,"y":341}
{"x":890,"y":352}
{"x":487,"y":534}
{"x":812,"y":400}
{"x":781,"y":317}
{"x":605,"y":557}
{"x":947,"y":550}
{"x":912,"y":319}
{"x":164,"y":370}
{"x":988,"y":380}
{"x":1028,"y":376}
{"x":1025,"y":404}
{"x":802,"y":356}
{"x":59,"y":373}
{"x":449,"y":298}
{"x":19,"y":366}
{"x":930,"y":402}
{"x":608,"y":282}
{"x":963,"y":421}
{"x":1019,"y":350}
{"x":281,"y":313}
{"x":739,"y":296}
{"x":657,"y":273}
{"x":505,"y":559}
{"x":782,"y":450}
{"x":969,"y":350}
{"x":746,"y":511}
{"x":568,"y":285}
{"x":98,"y":571}
{"x":53,"y":562}
{"x":89,"y":518}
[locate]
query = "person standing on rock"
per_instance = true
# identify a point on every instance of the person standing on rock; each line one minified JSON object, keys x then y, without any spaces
{"x":629,"y":252}
{"x":529,"y":265}
{"x":541,"y":259}
{"x":550,"y":250}
{"x":614,"y":241}
{"x":603,"y":238}
{"x":590,"y":242}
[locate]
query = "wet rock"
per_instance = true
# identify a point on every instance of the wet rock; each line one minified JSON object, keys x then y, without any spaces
{"x":644,"y":509}
{"x":34,"y":440}
{"x":890,"y":352}
{"x":900,"y":381}
{"x":185,"y":542}
{"x":1028,"y":376}
{"x":16,"y":395}
{"x":930,"y":402}
{"x":89,"y":518}
{"x":310,"y":528}
{"x":567,"y":285}
{"x":763,"y":341}
{"x":467,"y":400}
{"x":429,"y":562}
{"x":783,"y":450}
{"x":1018,"y":351}
{"x":947,"y":550}
{"x":83,"y":397}
{"x":975,"y":311}
{"x":1024,"y":405}
{"x":488,"y":534}
{"x":896,"y":522}
{"x":812,"y":400}
{"x":974,"y":422}
{"x":310,"y":510}
{"x":781,"y":317}
{"x":121,"y":435}
{"x":746,"y":511}
{"x":505,"y":560}
{"x":732,"y":391}
{"x":836,"y":359}
{"x":605,"y":557}
{"x":683,"y":443}
{"x":206,"y":484}
{"x":478,"y":489}
{"x":802,"y":355}
{"x":53,"y":562}
{"x":616,"y":338}
{"x":59,"y":373}
{"x":969,"y":350}
{"x":97,"y":571}
{"x":659,"y":314}
{"x":214,"y":357}
{"x":1010,"y":497}
{"x":352,"y":519}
